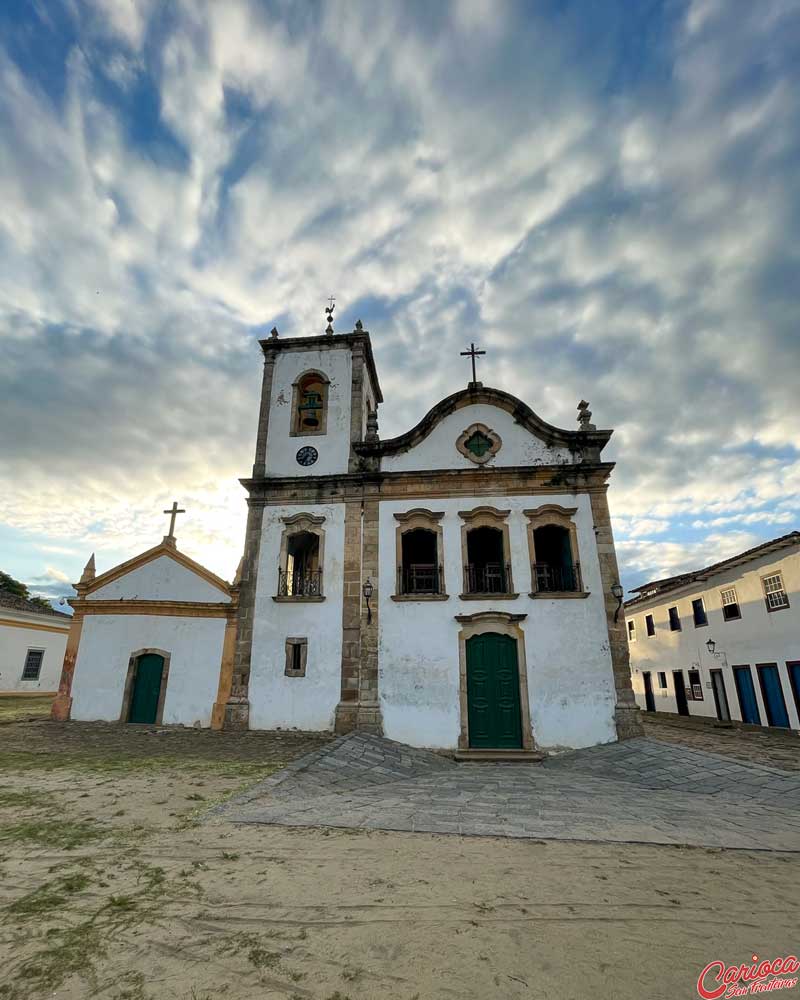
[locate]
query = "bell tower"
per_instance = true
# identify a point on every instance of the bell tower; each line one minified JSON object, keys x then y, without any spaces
{"x":317,"y":397}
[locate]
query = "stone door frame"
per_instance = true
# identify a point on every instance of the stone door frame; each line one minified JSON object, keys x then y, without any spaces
{"x":502,"y":623}
{"x":130,"y":683}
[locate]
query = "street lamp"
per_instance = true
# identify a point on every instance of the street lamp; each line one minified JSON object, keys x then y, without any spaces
{"x":711,"y":646}
{"x":617,"y":591}
{"x":368,"y":590}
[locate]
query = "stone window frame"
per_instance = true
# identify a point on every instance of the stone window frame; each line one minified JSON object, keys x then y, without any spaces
{"x":505,"y":624}
{"x":487,"y":517}
{"x":130,"y":682}
{"x":296,"y":524}
{"x":294,"y":429}
{"x":631,"y":630}
{"x":292,"y":642}
{"x":562,"y":517}
{"x":427,"y":520}
{"x":493,"y":436}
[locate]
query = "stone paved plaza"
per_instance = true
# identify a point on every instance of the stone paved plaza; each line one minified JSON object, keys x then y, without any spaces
{"x":642,"y":790}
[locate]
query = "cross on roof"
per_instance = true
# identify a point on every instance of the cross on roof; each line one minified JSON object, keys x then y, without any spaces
{"x":472,"y":353}
{"x":173,"y":512}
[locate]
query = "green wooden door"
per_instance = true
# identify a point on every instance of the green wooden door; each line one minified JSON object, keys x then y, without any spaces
{"x":146,"y":688}
{"x":493,"y":692}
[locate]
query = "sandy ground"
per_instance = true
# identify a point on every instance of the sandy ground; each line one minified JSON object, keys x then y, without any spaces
{"x":110,"y":887}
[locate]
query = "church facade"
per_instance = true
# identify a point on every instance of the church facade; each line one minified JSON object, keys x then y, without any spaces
{"x":450,"y":587}
{"x":454,"y":587}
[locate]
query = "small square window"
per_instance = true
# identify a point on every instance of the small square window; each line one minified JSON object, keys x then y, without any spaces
{"x":730,"y":604}
{"x":650,"y":625}
{"x":296,"y":656}
{"x":33,"y":665}
{"x":674,"y":620}
{"x":662,"y":680}
{"x":774,"y":594}
{"x":699,"y":612}
{"x":631,"y":630}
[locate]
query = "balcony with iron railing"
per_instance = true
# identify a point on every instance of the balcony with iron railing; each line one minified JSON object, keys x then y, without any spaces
{"x":300,"y":585}
{"x":419,"y":580}
{"x":487,"y":579}
{"x":549,"y":579}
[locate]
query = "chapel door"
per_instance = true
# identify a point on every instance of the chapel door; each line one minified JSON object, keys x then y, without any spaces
{"x":493,"y":692}
{"x":146,"y":688}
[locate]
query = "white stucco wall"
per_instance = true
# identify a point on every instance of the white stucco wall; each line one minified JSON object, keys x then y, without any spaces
{"x":278,"y":701}
{"x":758,"y":636}
{"x":334,"y":445}
{"x":15,"y":641}
{"x":107,"y":642}
{"x":570,"y":678}
{"x":438,"y":450}
{"x":163,"y":579}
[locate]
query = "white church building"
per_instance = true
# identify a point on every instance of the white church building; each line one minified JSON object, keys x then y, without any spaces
{"x":453,"y":587}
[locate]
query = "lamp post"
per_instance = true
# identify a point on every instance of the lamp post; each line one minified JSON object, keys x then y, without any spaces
{"x":368,"y":590}
{"x":618,"y":592}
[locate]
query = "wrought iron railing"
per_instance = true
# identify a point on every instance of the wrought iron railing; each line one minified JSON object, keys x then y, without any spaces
{"x":300,"y":583}
{"x":419,"y":578}
{"x":549,"y":579}
{"x":487,"y":578}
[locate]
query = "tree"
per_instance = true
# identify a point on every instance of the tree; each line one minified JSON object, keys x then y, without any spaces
{"x":12,"y":586}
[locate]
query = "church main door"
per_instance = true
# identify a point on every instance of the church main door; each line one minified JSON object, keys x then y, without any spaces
{"x":493,"y":692}
{"x":147,"y":688}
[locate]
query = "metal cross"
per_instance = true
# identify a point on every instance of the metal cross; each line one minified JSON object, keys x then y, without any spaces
{"x":174,"y":511}
{"x":331,"y":301}
{"x":472,"y":353}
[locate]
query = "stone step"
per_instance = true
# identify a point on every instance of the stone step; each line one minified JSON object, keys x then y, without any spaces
{"x":498,"y":756}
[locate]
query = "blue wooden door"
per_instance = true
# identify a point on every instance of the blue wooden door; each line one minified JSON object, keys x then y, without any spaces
{"x":794,"y":677}
{"x":773,"y":694}
{"x":747,"y":695}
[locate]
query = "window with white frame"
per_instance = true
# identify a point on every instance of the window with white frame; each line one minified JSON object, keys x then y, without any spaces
{"x":730,"y":604}
{"x":33,"y":665}
{"x":774,"y":594}
{"x":631,"y":630}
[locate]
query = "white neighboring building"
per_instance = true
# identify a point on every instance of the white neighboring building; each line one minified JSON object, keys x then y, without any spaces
{"x":32,"y":643}
{"x":148,"y":642}
{"x":724,"y":641}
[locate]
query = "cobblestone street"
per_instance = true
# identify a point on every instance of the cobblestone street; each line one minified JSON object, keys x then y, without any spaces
{"x":640,"y":791}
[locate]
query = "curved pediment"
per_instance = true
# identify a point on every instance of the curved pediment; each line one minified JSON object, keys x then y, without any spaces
{"x":554,"y":445}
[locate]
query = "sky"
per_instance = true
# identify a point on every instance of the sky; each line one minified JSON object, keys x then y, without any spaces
{"x":603,"y":196}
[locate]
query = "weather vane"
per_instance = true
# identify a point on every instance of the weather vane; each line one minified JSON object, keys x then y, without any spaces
{"x":329,"y":315}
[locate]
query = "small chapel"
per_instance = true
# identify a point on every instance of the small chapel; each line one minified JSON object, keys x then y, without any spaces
{"x":454,"y":587}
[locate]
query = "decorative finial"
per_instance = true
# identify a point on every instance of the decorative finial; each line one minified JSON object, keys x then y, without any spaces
{"x":88,"y":571}
{"x":372,"y":427}
{"x":585,"y":417}
{"x":329,"y":315}
{"x":359,"y":326}
{"x":274,"y":333}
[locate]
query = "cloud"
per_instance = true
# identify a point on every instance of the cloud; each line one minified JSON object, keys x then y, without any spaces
{"x":609,"y":201}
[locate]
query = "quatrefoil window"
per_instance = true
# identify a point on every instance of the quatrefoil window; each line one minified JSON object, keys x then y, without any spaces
{"x":478,"y":443}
